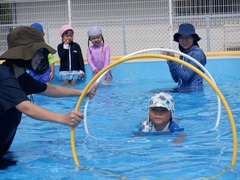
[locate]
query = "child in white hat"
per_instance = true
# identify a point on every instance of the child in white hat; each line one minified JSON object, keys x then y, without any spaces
{"x":160,"y":115}
{"x":98,"y":54}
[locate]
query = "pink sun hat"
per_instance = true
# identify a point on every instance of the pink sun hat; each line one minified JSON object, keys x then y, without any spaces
{"x":65,"y":28}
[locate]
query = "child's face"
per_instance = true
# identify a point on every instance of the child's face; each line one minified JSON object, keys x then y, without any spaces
{"x":186,"y":42}
{"x":159,"y":117}
{"x":96,"y":39}
{"x":68,"y":37}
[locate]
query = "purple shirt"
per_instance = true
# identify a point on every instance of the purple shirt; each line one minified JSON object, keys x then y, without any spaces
{"x":98,"y":57}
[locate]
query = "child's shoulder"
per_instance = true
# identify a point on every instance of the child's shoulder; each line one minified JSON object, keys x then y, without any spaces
{"x":60,"y":44}
{"x":106,"y":45}
{"x":145,"y":125}
{"x":75,"y":43}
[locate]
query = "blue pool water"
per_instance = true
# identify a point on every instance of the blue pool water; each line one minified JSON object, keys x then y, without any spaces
{"x":42,"y":149}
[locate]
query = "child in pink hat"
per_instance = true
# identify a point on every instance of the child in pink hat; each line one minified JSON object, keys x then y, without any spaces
{"x":71,"y":60}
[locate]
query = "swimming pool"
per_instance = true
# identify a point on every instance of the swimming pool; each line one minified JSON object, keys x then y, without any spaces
{"x":43,"y":149}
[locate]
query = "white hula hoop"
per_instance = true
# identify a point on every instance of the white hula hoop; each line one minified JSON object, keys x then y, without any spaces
{"x":195,"y":61}
{"x":165,"y":50}
{"x":86,"y":107}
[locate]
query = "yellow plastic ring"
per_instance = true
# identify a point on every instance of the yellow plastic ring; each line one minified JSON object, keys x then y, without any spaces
{"x":231,"y":119}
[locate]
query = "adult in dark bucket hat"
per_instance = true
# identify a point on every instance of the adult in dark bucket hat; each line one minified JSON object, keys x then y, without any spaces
{"x":28,"y":50}
{"x":187,"y":79}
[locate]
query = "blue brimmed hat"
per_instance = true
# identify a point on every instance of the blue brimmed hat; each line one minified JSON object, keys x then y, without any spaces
{"x":186,"y":29}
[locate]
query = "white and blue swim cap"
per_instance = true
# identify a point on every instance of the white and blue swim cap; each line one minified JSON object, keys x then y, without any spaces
{"x":94,"y":31}
{"x":162,"y":100}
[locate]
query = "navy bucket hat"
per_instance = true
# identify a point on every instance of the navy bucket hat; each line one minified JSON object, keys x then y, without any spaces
{"x":186,"y":30}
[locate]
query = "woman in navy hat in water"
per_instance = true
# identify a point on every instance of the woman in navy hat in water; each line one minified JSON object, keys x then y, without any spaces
{"x":186,"y":78}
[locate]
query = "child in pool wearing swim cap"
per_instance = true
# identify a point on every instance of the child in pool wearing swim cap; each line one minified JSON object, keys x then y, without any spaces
{"x":98,"y":54}
{"x":160,"y":115}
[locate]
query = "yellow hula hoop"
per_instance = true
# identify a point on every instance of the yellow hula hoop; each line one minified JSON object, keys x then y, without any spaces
{"x":233,"y":127}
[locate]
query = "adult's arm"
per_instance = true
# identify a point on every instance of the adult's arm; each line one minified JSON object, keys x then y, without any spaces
{"x":73,"y":118}
{"x":172,"y":68}
{"x":60,"y":91}
{"x":184,"y":72}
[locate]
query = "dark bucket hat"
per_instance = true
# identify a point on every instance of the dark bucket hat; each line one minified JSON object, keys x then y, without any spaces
{"x":24,"y":42}
{"x":185,"y":30}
